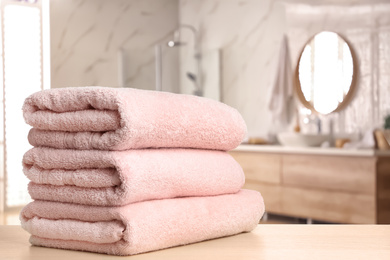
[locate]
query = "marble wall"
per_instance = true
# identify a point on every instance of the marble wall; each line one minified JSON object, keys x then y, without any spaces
{"x":86,"y":36}
{"x":248,"y":34}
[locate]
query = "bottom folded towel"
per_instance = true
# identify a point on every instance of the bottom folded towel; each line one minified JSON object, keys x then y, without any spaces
{"x":143,"y":226}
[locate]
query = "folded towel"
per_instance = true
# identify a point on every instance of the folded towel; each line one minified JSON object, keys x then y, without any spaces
{"x":109,"y":178}
{"x":122,"y":118}
{"x":141,"y":227}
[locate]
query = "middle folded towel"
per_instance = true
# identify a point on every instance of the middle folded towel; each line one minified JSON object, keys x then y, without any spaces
{"x":114,"y":178}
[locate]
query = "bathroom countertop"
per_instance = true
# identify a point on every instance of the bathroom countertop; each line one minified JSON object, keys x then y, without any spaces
{"x":310,"y":150}
{"x":265,"y":242}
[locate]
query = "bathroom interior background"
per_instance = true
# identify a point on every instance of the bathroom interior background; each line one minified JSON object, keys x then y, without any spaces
{"x":239,"y":41}
{"x":88,"y":35}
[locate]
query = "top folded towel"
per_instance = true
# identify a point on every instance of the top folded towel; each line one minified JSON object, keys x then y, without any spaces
{"x":124,"y":118}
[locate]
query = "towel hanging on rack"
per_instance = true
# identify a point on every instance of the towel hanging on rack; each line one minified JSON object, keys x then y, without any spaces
{"x":282,"y":86}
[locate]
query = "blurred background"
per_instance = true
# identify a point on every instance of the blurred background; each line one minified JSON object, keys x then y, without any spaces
{"x":261,"y":57}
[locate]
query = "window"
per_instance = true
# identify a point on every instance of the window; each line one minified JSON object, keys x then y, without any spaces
{"x":23,"y":74}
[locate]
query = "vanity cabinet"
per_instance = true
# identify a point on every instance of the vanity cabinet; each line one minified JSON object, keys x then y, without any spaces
{"x":333,"y":185}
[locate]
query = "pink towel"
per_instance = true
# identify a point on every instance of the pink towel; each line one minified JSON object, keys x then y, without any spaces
{"x":141,"y":227}
{"x":122,"y":118}
{"x":110,"y":178}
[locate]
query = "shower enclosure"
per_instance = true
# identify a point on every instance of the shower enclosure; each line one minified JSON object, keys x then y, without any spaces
{"x":191,"y":75}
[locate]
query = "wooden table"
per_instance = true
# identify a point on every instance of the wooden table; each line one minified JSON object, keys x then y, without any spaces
{"x":368,"y":242}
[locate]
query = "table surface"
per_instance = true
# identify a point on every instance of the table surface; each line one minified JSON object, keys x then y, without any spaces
{"x":265,"y":242}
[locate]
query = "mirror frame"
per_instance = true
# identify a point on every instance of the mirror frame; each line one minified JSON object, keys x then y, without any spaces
{"x":352,"y":90}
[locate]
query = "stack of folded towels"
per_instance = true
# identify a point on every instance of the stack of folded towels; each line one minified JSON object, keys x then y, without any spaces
{"x":125,"y":171}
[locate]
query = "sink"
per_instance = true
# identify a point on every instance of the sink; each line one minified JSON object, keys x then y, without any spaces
{"x":302,"y":140}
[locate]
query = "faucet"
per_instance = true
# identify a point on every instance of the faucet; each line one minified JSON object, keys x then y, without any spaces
{"x":316,"y":120}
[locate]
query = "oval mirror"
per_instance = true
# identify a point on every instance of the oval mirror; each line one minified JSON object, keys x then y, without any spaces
{"x":326,"y":73}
